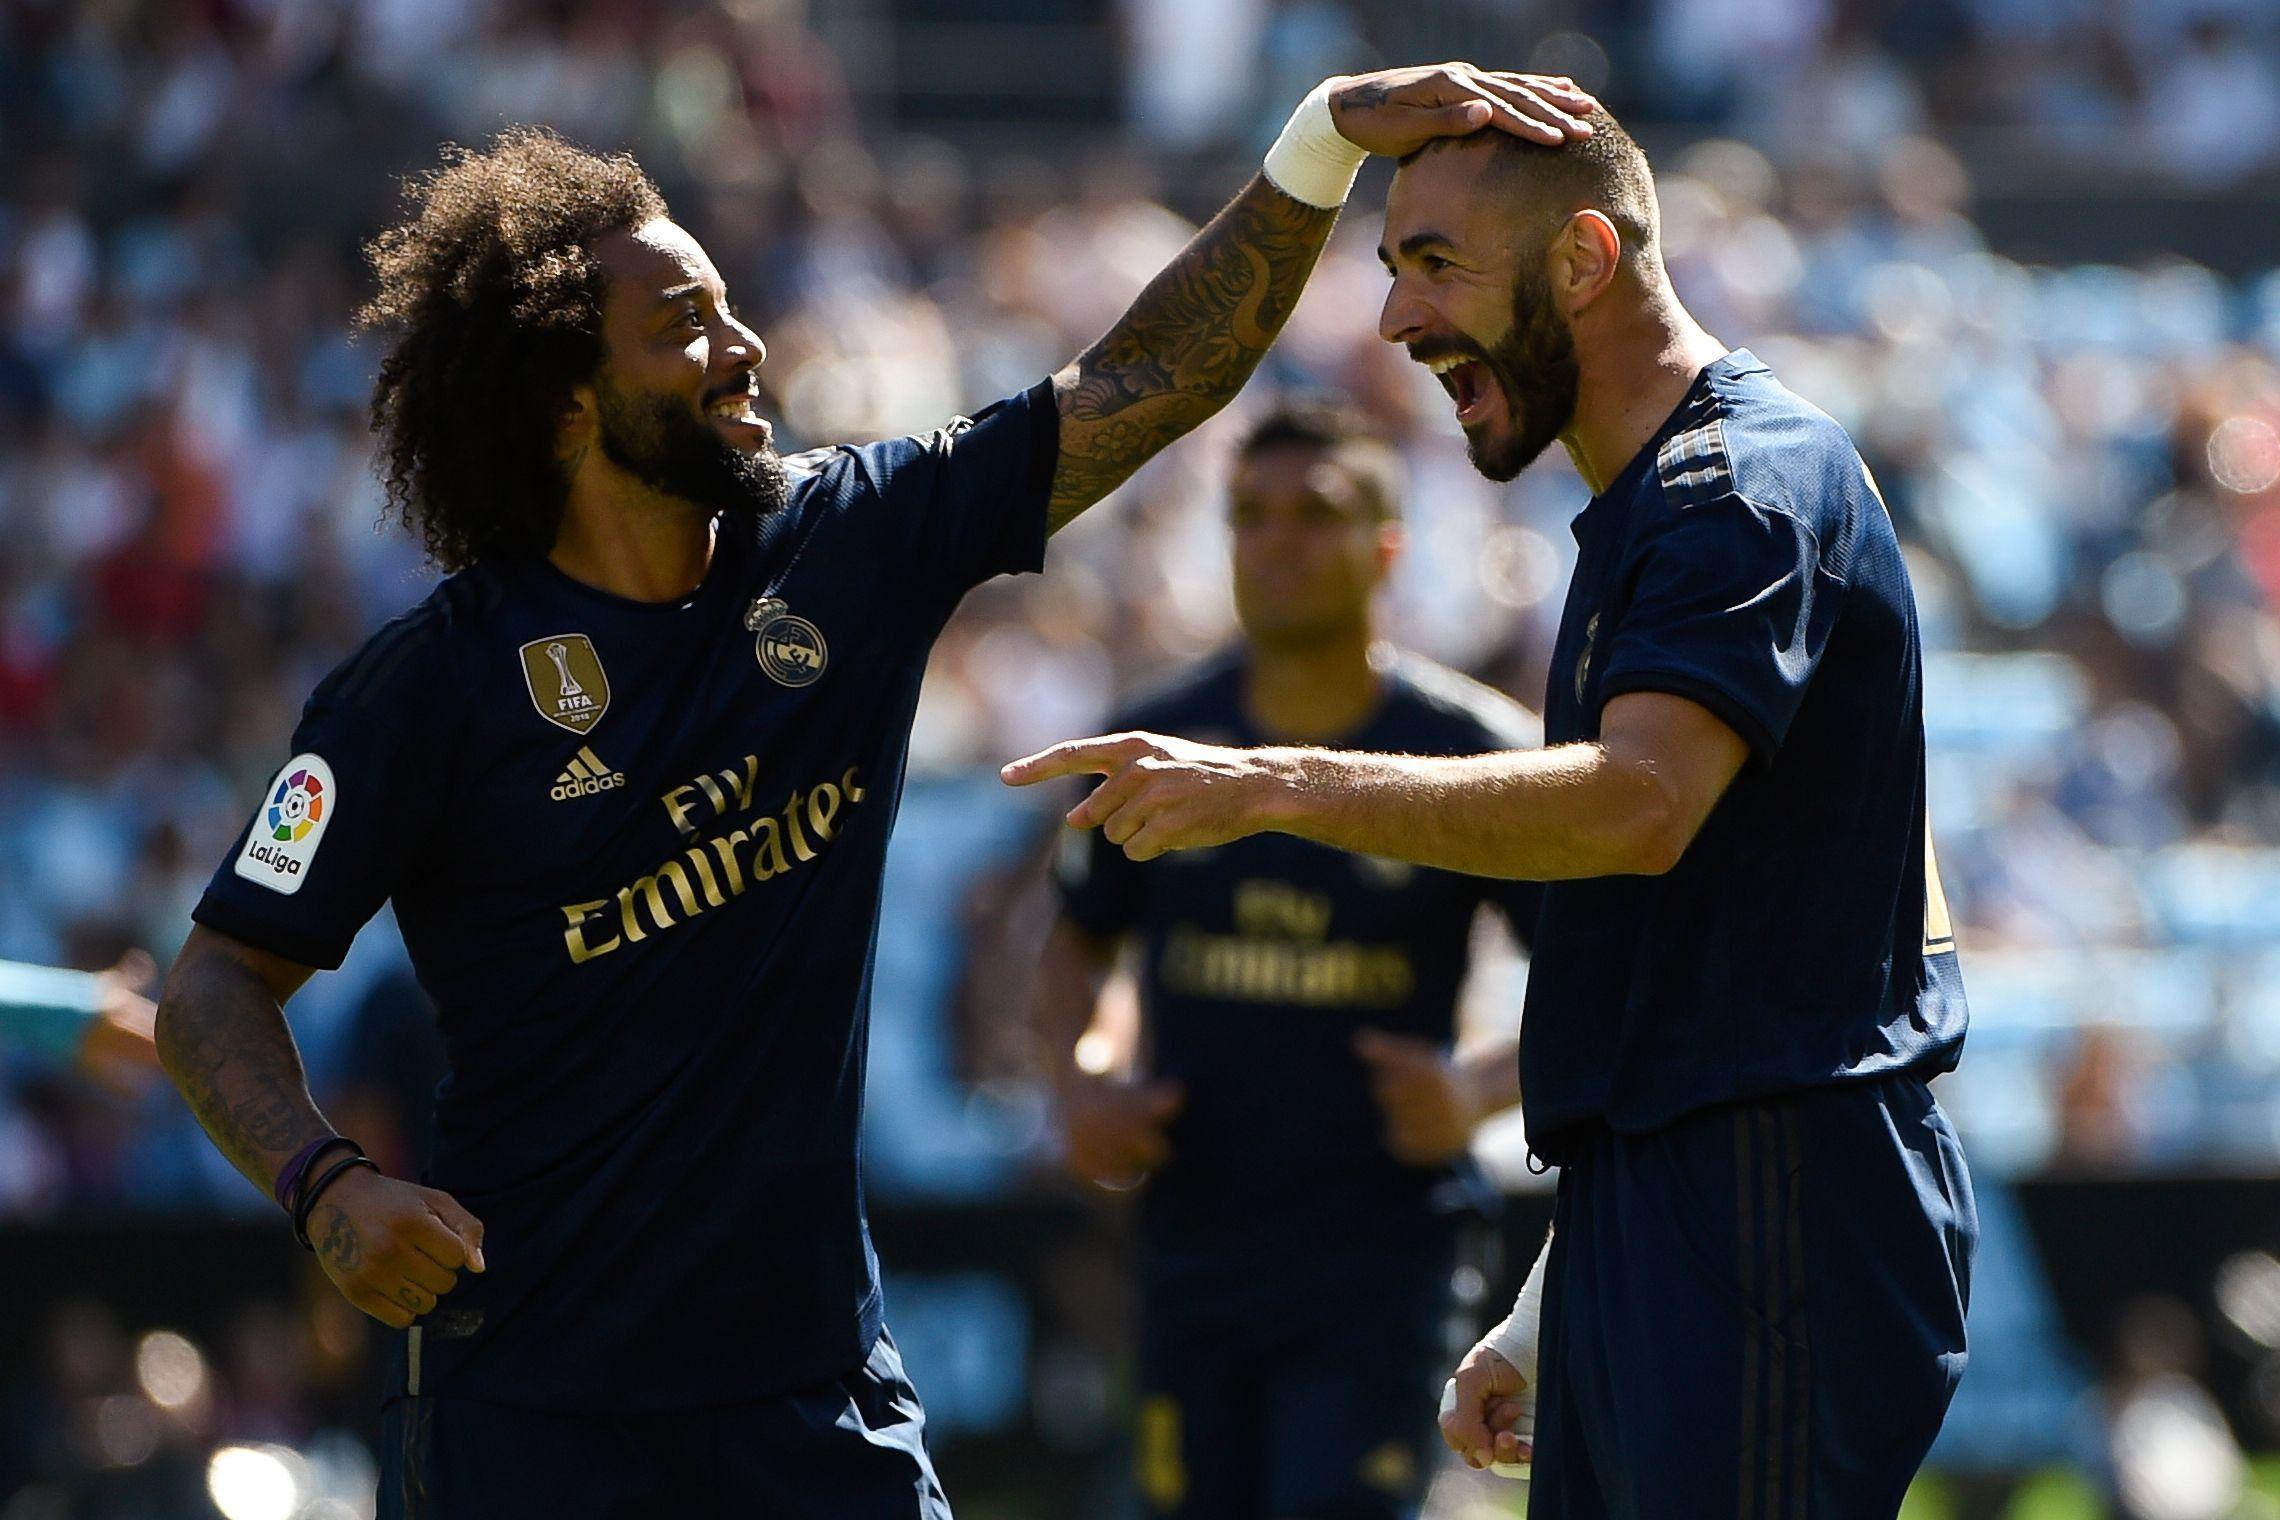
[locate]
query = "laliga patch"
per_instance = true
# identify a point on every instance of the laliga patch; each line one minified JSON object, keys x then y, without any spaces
{"x":566,"y":681}
{"x":789,"y":647}
{"x":291,"y":824}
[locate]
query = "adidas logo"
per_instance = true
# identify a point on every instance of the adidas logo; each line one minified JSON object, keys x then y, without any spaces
{"x":584,"y":776}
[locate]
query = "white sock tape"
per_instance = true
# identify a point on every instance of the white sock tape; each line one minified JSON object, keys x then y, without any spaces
{"x":1311,"y":162}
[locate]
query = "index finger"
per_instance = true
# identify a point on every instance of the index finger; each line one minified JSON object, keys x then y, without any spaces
{"x":1551,"y":86}
{"x":1071,"y":757}
{"x":1465,"y":1430}
{"x":1524,"y":102}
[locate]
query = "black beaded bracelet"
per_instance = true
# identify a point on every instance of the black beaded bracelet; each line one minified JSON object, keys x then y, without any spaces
{"x":324,"y":1180}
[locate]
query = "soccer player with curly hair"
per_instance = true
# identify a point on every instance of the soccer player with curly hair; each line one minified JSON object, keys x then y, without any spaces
{"x":627,"y":777}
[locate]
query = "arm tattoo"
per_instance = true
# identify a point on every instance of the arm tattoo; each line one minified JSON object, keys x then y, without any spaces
{"x":1186,"y":345}
{"x":224,"y":1041}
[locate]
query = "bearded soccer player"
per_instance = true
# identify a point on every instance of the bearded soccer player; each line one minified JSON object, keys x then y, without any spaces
{"x":1298,"y":1008}
{"x":1753,"y":1301}
{"x":628,"y":776}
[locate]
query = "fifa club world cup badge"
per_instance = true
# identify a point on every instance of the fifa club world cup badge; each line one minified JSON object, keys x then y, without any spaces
{"x":566,"y":682}
{"x":789,"y":647}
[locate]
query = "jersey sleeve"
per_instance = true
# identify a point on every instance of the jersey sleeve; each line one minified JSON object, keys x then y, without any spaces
{"x":344,"y":820}
{"x":967,"y":501}
{"x":1729,"y":608}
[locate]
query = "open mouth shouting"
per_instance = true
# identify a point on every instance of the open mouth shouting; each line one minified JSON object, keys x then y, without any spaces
{"x":1469,"y":383}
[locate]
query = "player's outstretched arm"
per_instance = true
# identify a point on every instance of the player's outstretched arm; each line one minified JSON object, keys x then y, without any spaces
{"x":1200,"y":327}
{"x":391,"y":1247}
{"x":1627,"y":803}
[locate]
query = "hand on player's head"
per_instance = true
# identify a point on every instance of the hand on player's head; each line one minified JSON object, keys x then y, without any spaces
{"x":393,"y":1248}
{"x":1397,"y":111}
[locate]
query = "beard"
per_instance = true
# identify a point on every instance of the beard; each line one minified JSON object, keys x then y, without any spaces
{"x":670,"y":447}
{"x":1535,"y":368}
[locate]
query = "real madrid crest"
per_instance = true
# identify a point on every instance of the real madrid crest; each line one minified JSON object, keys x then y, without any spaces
{"x":566,"y":681}
{"x":789,"y":647}
{"x":1583,"y":660}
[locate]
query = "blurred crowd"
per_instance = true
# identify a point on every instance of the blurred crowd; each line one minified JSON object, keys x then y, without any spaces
{"x":2084,"y":460}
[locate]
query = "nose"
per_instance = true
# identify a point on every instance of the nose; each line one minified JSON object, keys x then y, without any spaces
{"x":1404,"y":317}
{"x":743,"y":342}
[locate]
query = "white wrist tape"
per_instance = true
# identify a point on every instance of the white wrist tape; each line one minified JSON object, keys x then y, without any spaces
{"x":1311,"y":162}
{"x":1515,"y":1340}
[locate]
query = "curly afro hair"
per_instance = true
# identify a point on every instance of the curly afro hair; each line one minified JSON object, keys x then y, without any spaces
{"x":492,"y":298}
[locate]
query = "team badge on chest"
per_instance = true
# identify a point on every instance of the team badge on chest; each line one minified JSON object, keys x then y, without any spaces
{"x":790,"y":648}
{"x":566,"y":681}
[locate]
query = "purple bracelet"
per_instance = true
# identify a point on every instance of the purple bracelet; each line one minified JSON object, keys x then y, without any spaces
{"x":290,"y":1177}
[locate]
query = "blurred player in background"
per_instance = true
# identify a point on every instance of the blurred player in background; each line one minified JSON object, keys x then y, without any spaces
{"x":98,"y":1020}
{"x":628,"y":777}
{"x":1753,"y":1302}
{"x":1302,"y":1113}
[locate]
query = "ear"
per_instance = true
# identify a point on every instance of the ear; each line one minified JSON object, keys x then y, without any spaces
{"x":575,"y":421}
{"x":1585,"y":258}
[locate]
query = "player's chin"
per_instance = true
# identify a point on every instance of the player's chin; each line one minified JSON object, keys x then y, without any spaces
{"x":1495,"y":448}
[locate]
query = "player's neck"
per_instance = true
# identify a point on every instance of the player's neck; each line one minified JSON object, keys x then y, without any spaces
{"x":1632,"y":372}
{"x":638,"y":544}
{"x":1318,"y":692}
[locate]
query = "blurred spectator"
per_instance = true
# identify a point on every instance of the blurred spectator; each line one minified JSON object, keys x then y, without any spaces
{"x":2173,"y":1455}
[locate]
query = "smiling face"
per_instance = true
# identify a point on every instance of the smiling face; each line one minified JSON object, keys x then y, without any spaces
{"x":674,"y":402}
{"x":1311,"y":545}
{"x":1472,"y":300}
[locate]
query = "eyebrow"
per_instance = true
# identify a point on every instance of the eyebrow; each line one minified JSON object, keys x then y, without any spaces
{"x":678,"y":292}
{"x":1415,"y":244}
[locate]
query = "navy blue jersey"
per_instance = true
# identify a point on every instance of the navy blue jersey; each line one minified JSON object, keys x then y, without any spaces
{"x":1261,"y":959}
{"x":1744,"y":560}
{"x":635,"y":851}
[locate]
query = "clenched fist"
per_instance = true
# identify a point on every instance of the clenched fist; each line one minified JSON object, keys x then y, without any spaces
{"x":393,"y":1247}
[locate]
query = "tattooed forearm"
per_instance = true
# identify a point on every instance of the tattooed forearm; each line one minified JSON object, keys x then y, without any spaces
{"x":1186,"y":345}
{"x":223,"y":1039}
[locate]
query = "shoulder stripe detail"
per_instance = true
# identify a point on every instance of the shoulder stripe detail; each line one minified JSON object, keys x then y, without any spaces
{"x":1693,"y":465}
{"x":809,"y":462}
{"x":377,"y":660}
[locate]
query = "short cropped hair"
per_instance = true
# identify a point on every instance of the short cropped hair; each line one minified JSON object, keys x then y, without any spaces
{"x":1352,"y":443}
{"x":1607,"y":172}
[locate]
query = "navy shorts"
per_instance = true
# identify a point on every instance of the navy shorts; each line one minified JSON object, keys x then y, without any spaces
{"x":1309,"y":1396}
{"x":1755,"y":1314}
{"x":850,"y":1449}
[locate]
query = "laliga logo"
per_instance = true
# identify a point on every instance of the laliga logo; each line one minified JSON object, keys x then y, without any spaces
{"x":284,"y":838}
{"x":298,"y":807}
